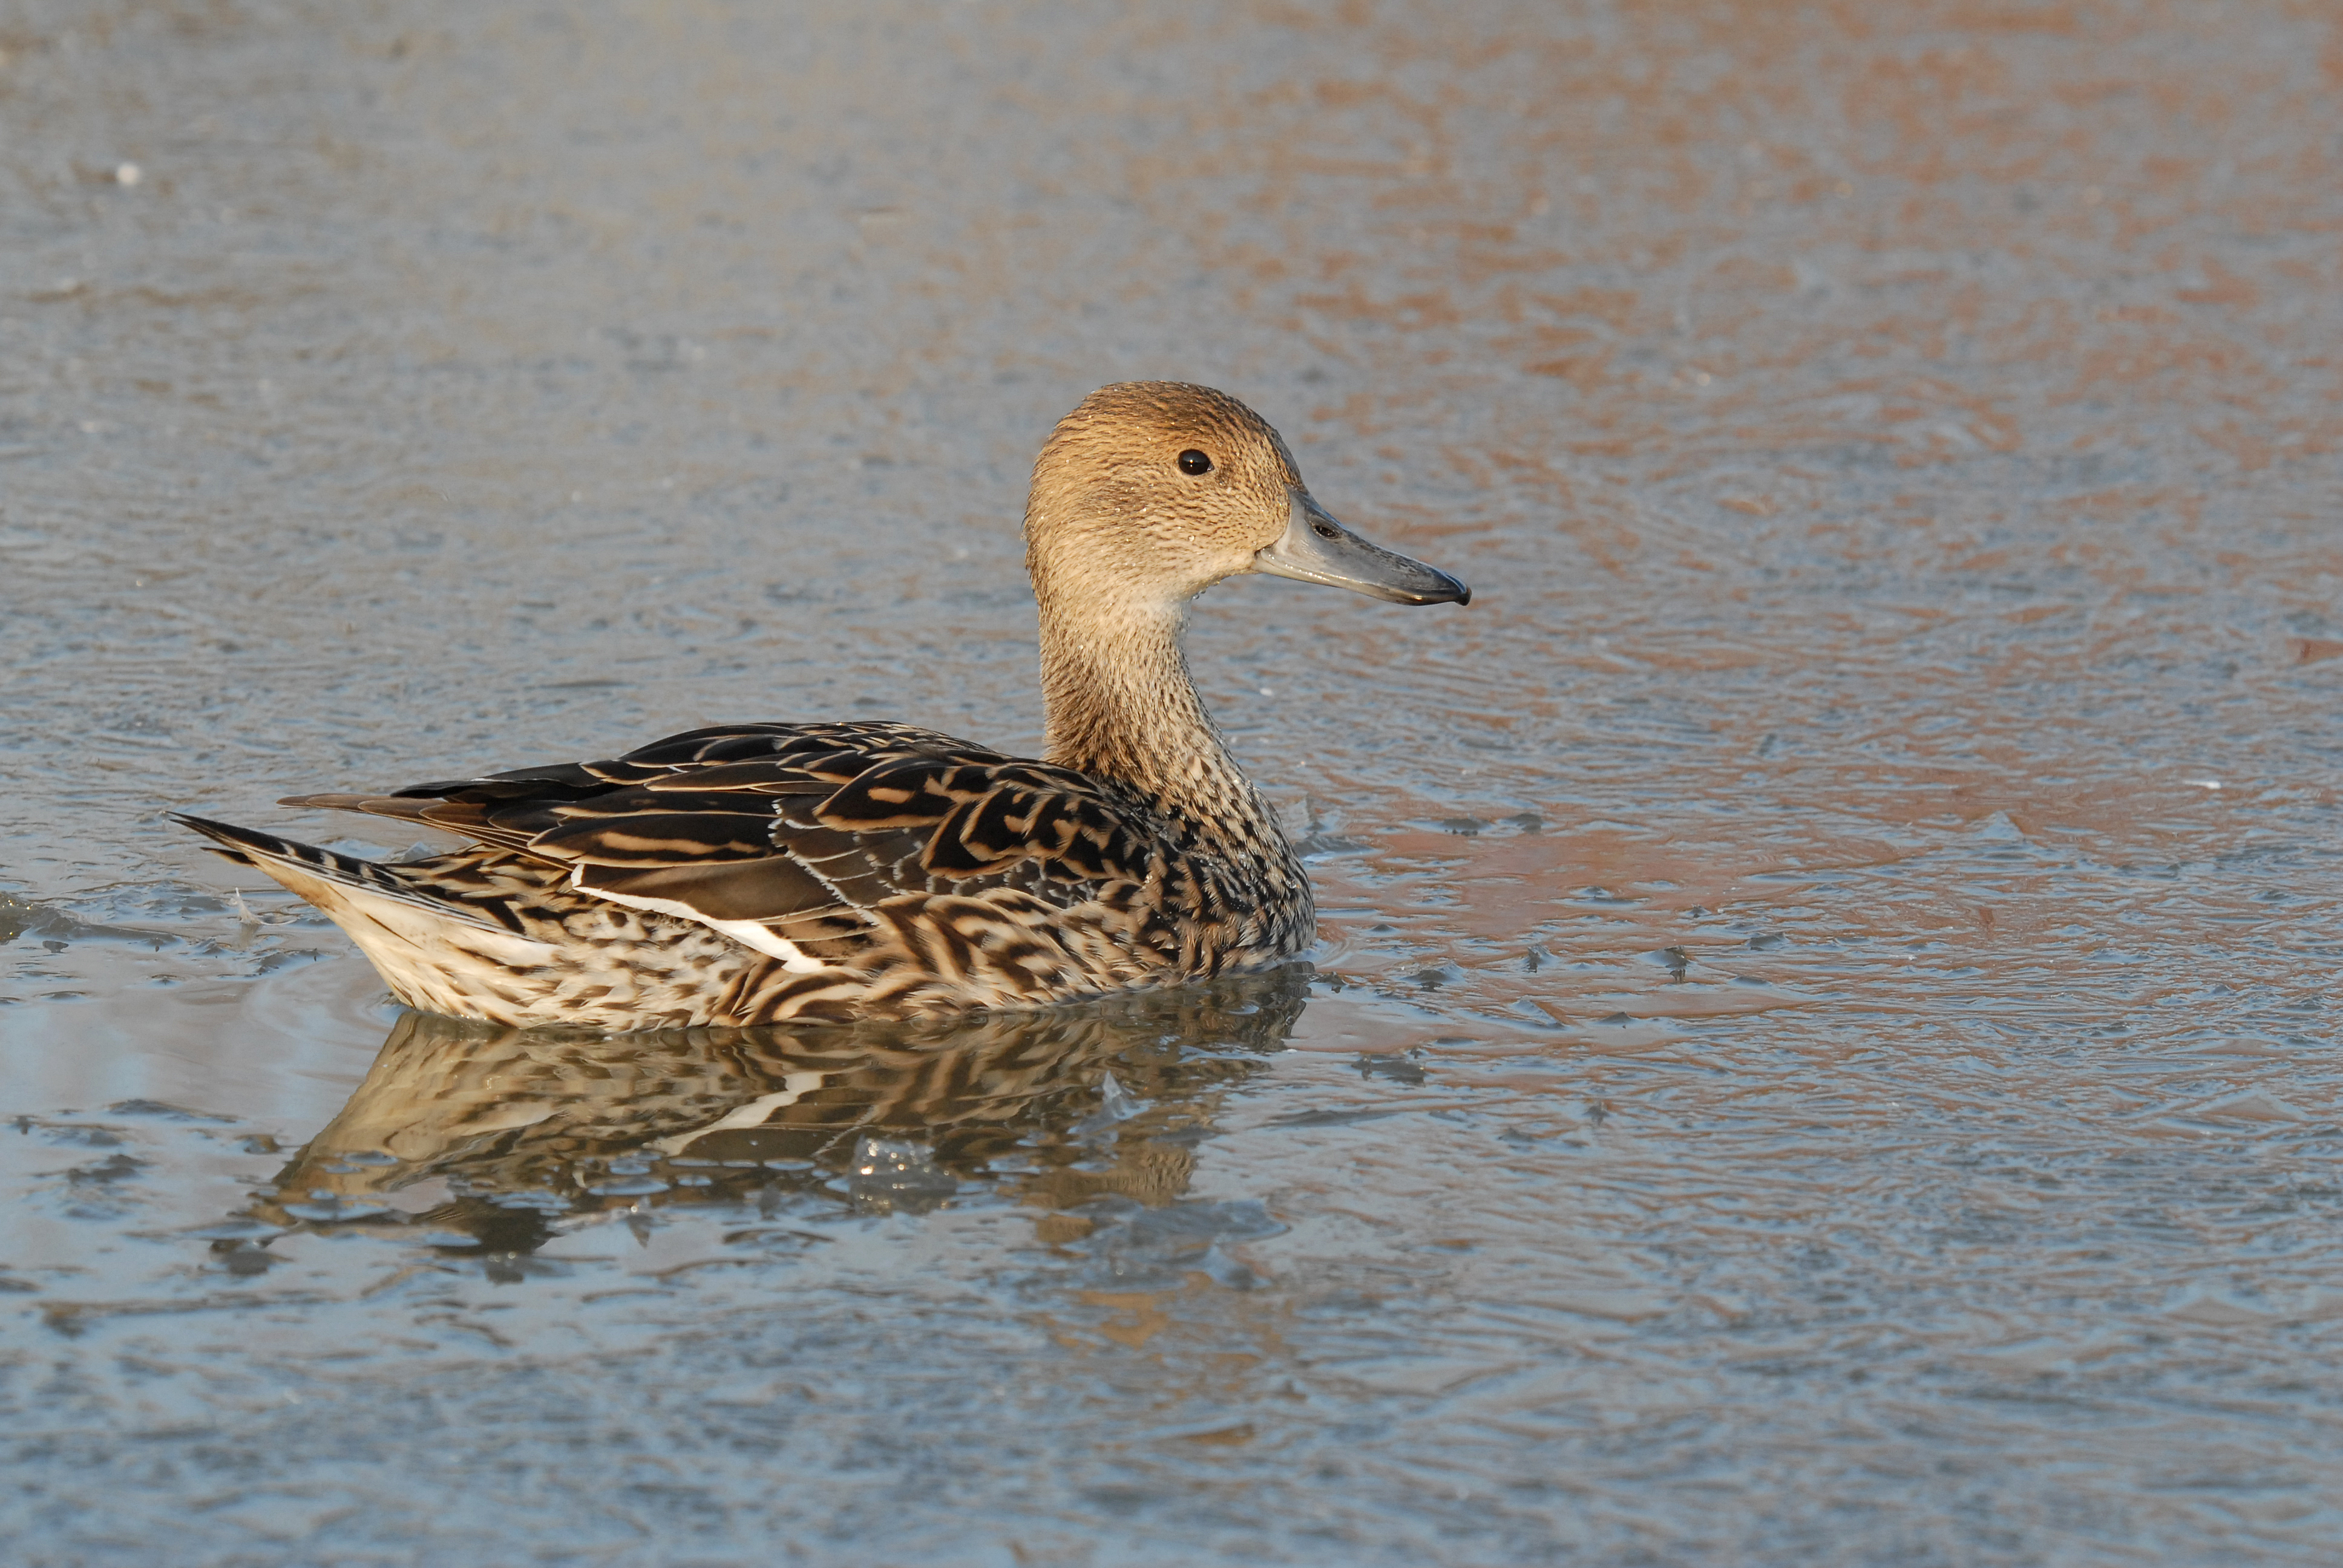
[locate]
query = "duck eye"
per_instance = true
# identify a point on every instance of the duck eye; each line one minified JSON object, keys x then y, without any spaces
{"x":1191,"y":461}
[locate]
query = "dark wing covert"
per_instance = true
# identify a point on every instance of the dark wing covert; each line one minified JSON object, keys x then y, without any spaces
{"x":783,"y":823}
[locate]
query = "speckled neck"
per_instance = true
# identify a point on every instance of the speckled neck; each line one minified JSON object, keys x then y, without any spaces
{"x":1121,"y":705}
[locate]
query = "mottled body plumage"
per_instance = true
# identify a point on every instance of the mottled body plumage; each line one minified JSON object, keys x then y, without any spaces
{"x":774,"y":873}
{"x":832,"y":872}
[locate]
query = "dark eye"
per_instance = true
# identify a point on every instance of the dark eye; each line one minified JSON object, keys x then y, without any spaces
{"x":1191,"y":461}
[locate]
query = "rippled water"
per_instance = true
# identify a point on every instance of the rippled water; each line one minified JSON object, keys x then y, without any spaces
{"x":1820,"y":1050}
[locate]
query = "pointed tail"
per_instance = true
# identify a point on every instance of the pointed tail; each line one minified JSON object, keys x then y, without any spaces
{"x":311,"y":871}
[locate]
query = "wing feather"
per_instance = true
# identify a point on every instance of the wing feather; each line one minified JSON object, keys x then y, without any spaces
{"x":778,"y":824}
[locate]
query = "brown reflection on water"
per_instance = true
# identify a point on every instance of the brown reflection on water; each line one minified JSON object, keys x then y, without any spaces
{"x":512,"y":1136}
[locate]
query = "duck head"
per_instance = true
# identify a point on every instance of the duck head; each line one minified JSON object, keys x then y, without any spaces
{"x":1151,"y":491}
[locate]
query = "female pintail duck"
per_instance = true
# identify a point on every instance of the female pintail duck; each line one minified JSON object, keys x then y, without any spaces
{"x":772,"y":873}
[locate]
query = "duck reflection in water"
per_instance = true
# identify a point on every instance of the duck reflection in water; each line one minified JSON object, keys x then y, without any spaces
{"x":528,"y":1132}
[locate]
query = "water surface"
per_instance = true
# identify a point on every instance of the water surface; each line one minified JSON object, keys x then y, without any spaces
{"x":1820,"y":1049}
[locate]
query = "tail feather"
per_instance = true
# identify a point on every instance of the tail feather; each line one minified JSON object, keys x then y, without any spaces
{"x":302,"y":866}
{"x":445,"y":935}
{"x":373,"y":805}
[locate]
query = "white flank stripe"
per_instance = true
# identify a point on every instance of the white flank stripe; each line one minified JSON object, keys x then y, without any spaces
{"x":748,"y":933}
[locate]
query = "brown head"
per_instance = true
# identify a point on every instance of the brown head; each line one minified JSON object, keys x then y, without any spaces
{"x":1151,"y":491}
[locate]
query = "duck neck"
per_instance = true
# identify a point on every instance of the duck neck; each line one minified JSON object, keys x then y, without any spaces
{"x":1121,"y":705}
